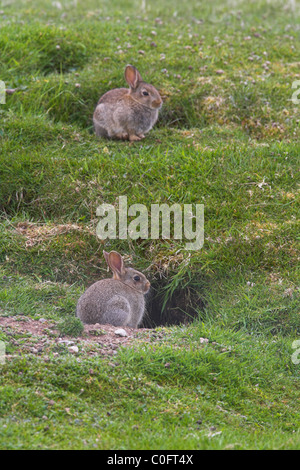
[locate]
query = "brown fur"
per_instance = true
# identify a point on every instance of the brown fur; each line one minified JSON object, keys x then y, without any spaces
{"x":118,"y":301}
{"x":124,"y":113}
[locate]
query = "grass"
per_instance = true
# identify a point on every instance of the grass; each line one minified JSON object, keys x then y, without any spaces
{"x":227,"y":138}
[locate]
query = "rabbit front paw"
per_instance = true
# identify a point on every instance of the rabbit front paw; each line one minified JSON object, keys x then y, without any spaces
{"x":122,"y":136}
{"x":134,"y":137}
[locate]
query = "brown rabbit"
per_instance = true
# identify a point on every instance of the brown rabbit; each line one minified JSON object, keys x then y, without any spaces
{"x":125,"y":113}
{"x":118,"y":301}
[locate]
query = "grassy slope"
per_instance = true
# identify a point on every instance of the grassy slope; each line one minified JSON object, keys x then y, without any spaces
{"x":228,"y":140}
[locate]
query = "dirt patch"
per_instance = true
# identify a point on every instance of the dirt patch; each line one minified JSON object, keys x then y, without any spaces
{"x":36,"y":234}
{"x":41,"y":337}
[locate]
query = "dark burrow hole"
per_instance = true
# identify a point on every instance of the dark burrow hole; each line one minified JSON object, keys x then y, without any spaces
{"x":182,"y":307}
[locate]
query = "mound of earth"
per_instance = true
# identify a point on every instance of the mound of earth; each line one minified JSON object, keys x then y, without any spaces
{"x":41,"y":337}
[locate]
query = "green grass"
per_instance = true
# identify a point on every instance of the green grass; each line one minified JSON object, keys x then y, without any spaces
{"x":228,"y":138}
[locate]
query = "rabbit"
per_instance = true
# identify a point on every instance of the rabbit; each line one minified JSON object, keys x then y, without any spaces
{"x":118,"y":301}
{"x":128,"y":114}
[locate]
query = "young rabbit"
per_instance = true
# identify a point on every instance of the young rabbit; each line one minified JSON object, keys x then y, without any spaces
{"x":125,"y":113}
{"x":118,"y":301}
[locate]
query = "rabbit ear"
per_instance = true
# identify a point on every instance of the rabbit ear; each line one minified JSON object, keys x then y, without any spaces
{"x":105,"y":254}
{"x":132,"y":76}
{"x":116,"y":264}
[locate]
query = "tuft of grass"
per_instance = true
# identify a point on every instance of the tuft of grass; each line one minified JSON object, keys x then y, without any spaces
{"x":70,"y":326}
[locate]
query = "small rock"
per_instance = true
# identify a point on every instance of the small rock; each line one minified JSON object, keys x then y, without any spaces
{"x":203,"y":340}
{"x":67,"y":342}
{"x":11,"y":91}
{"x":288,"y":292}
{"x":73,"y":349}
{"x":167,"y":365}
{"x":121,"y":332}
{"x":111,"y":353}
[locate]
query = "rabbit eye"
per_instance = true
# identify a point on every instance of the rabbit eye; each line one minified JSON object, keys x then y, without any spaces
{"x":145,"y":93}
{"x":136,"y":278}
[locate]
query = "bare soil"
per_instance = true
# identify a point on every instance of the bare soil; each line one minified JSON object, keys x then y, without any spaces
{"x":42,"y":337}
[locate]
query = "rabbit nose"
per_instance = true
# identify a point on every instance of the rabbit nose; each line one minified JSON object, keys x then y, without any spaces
{"x":147,"y":285}
{"x":157,"y":103}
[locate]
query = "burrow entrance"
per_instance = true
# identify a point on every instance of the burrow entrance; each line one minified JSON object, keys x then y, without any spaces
{"x":182,"y":307}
